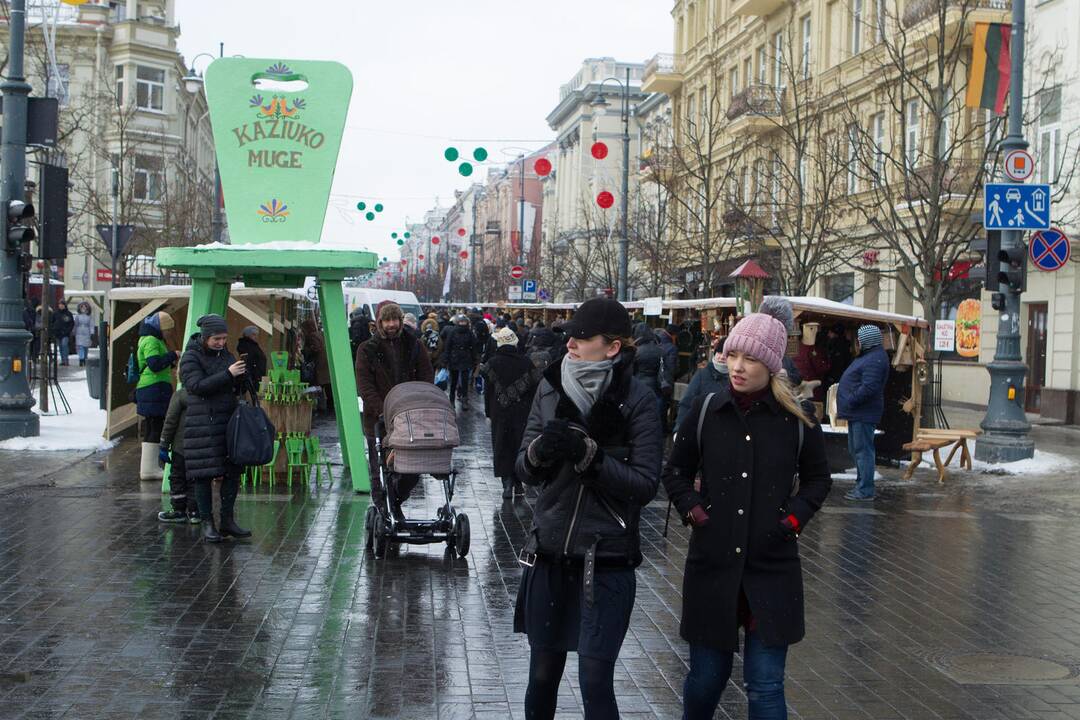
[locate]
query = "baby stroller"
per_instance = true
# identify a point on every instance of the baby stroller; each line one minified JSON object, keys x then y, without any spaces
{"x":416,"y":435}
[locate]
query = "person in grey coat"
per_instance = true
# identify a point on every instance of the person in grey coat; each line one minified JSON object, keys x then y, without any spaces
{"x":84,"y":331}
{"x":592,"y":446}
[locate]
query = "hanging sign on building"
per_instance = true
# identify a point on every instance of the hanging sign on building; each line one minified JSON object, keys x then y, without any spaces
{"x":277,"y":131}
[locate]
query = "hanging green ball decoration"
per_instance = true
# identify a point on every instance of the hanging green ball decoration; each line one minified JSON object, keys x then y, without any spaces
{"x":400,"y":242}
{"x":370,"y":215}
{"x":361,"y":206}
{"x":378,"y":207}
{"x":393,"y":235}
{"x":406,"y":234}
{"x":465,"y":169}
{"x":451,"y":154}
{"x":480,"y":154}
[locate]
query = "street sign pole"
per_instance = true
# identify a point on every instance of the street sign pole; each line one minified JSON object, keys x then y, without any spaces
{"x":16,"y":417}
{"x":1006,"y":435}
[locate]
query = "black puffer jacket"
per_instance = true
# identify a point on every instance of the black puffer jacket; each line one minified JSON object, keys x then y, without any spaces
{"x":650,"y":364}
{"x":212,"y":397}
{"x":542,"y":348}
{"x":460,"y":349}
{"x":574,"y":512}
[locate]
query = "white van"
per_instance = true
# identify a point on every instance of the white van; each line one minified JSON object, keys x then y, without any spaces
{"x":369,"y":298}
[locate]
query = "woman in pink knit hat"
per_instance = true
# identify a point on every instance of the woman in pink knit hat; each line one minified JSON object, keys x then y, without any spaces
{"x":761,"y":456}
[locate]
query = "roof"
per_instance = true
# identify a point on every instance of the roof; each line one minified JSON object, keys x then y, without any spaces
{"x":749,"y":269}
{"x":183,"y":291}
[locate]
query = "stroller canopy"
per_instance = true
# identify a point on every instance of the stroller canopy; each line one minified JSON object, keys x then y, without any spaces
{"x":415,"y":395}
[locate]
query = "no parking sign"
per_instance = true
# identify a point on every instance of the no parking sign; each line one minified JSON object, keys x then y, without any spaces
{"x":1049,"y":249}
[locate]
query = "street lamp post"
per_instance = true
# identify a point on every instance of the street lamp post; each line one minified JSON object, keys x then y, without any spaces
{"x":599,"y":105}
{"x":193,"y":82}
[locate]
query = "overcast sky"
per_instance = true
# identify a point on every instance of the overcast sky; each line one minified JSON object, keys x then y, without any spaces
{"x":428,"y":74}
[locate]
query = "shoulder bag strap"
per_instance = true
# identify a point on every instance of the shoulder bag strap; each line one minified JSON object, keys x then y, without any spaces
{"x":701,"y":421}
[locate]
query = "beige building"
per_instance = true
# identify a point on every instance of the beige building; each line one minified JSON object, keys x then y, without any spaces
{"x":118,"y":76}
{"x":878,"y":163}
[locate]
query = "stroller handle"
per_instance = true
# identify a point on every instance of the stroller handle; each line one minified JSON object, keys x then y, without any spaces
{"x":380,"y":428}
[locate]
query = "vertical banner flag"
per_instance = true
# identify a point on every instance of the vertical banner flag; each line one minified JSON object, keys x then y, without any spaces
{"x":446,"y":281}
{"x":990,"y":74}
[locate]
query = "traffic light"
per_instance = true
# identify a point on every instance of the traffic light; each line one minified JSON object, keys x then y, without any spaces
{"x":1014,"y":267}
{"x":17,"y":228}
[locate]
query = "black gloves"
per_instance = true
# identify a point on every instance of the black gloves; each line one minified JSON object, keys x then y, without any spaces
{"x":575,"y":447}
{"x":789,"y":527}
{"x":551,"y":444}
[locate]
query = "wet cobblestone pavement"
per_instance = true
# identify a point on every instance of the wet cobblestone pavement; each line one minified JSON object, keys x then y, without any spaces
{"x":953,"y":602}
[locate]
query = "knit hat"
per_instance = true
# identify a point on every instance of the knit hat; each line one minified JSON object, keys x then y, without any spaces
{"x":389,"y":310}
{"x":161,"y":321}
{"x":212,"y":325}
{"x":410,"y":320}
{"x":505,"y":336}
{"x":869,"y":336}
{"x":762,"y":335}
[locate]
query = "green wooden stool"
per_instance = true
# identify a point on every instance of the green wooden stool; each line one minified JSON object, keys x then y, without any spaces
{"x":319,"y":460}
{"x":295,"y":445}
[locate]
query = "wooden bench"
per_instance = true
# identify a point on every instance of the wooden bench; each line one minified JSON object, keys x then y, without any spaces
{"x":933,"y":439}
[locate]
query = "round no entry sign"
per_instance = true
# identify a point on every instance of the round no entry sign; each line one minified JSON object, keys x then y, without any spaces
{"x":1049,"y":249}
{"x":517,"y":272}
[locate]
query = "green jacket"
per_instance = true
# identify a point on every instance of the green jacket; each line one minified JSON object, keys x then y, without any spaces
{"x":149,"y":348}
{"x":172,"y":432}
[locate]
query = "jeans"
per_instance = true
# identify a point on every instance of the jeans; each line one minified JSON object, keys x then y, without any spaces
{"x":860,"y":442}
{"x":82,"y":349}
{"x":64,"y":350}
{"x":763,"y":676}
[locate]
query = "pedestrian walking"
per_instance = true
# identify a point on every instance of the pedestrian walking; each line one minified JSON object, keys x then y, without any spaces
{"x":593,"y":447}
{"x":359,"y":328}
{"x":861,"y":401}
{"x":171,"y":450}
{"x":84,"y":331}
{"x":543,"y":347}
{"x":709,"y":379}
{"x":392,"y":356}
{"x":314,"y":353}
{"x":154,"y":362}
{"x":764,"y":475}
{"x":214,"y":379}
{"x":651,"y":367}
{"x":510,"y":383}
{"x":249,"y":350}
{"x":61,"y":326}
{"x":460,"y":351}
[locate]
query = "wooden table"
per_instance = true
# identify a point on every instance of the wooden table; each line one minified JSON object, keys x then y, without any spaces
{"x":933,"y":439}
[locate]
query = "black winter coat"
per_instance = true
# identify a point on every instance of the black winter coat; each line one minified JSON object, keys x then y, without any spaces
{"x":602,"y":506}
{"x":459,"y":348}
{"x":748,"y":465}
{"x":651,"y":366}
{"x":212,"y":397}
{"x":255,"y":361}
{"x":61,"y":324}
{"x":511,"y":382}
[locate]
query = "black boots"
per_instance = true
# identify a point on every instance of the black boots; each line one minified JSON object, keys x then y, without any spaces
{"x":209,"y":532}
{"x":511,"y":487}
{"x":205,"y":500}
{"x":230,"y":488}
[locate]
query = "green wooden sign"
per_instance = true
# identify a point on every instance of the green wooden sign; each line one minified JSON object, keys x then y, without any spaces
{"x":277,"y":130}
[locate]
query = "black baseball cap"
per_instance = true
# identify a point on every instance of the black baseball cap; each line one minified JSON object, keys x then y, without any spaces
{"x":599,"y":316}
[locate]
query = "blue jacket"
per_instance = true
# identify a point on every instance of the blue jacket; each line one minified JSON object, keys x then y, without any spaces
{"x":671,"y":353}
{"x":861,"y":396}
{"x":706,"y":380}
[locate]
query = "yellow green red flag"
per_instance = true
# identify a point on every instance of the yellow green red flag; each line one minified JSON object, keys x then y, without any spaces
{"x":990,"y":73}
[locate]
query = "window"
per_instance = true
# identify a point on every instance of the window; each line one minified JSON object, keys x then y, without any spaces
{"x":877,"y":129}
{"x":117,"y":11}
{"x":778,"y":59}
{"x":747,"y":194}
{"x":58,"y":84}
{"x":119,"y":85}
{"x":852,"y":151}
{"x":806,"y":46}
{"x":911,"y":134}
{"x":748,"y":72}
{"x":150,"y":88}
{"x":149,"y":178}
{"x":879,"y":21}
{"x":944,"y":141}
{"x":703,"y":108}
{"x":759,"y":183}
{"x":856,"y":26}
{"x":840,"y":288}
{"x":762,"y":65}
{"x":1049,"y":147}
{"x":691,"y":110}
{"x":733,"y":80}
{"x":774,"y":183}
{"x":802,"y":174}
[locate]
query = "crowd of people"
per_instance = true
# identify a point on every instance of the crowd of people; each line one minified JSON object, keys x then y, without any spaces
{"x":578,"y":414}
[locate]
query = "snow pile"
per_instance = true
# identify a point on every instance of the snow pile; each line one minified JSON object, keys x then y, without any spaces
{"x":1044,"y":463}
{"x":283,"y":245}
{"x":83,"y":429}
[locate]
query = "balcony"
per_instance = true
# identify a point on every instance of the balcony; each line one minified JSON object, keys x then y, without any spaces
{"x":757,"y":108}
{"x":916,"y":11}
{"x":758,"y":8}
{"x":663,"y":73}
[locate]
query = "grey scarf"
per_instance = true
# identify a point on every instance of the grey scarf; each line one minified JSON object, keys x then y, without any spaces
{"x":584,"y":382}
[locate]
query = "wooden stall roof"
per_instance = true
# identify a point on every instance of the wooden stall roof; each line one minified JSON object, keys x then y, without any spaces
{"x":132,"y":294}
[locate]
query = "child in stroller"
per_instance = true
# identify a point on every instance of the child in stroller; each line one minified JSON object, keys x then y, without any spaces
{"x":416,"y":435}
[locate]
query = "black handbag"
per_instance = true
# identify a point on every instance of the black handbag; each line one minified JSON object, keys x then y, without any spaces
{"x":250,"y":435}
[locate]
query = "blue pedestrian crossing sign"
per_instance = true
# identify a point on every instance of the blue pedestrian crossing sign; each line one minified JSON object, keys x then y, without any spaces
{"x":1008,"y":206}
{"x":1049,"y":249}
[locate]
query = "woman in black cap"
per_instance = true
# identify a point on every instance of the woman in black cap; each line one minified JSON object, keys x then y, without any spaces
{"x":593,"y":446}
{"x":213,"y":379}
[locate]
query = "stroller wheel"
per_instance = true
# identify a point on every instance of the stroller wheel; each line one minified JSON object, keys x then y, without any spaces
{"x":370,"y":518}
{"x":380,"y":540}
{"x":461,"y":535}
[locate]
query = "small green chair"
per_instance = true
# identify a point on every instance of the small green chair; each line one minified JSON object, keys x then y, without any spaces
{"x":318,"y":459}
{"x":295,"y":445}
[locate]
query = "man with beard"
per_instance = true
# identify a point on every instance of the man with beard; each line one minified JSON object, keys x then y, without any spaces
{"x":392,"y":356}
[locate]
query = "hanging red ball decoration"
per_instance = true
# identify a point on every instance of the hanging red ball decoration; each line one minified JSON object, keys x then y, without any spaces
{"x":461,"y":232}
{"x":435,"y":240}
{"x":404,"y":262}
{"x":464,"y":254}
{"x":599,"y":150}
{"x":423,"y":271}
{"x":419,"y":257}
{"x":605,"y":199}
{"x":542,"y":167}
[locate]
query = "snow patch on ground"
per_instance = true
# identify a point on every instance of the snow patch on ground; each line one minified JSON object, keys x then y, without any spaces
{"x":1044,"y":463}
{"x":83,"y":429}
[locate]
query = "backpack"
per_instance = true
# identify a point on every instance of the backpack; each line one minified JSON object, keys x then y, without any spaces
{"x":132,"y":373}
{"x":249,"y":436}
